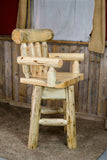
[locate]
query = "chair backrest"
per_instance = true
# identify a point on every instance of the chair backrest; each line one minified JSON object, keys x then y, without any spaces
{"x":34,"y":51}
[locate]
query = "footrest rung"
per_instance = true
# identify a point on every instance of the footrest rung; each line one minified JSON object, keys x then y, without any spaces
{"x":52,"y":122}
{"x":51,"y":110}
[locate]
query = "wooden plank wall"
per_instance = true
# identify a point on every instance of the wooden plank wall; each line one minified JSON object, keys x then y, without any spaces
{"x":90,"y":94}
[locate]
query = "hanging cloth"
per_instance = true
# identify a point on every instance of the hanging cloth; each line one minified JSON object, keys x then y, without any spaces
{"x":97,"y":41}
{"x":69,"y":19}
{"x":23,"y":18}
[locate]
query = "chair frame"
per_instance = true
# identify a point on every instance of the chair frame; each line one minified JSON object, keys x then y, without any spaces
{"x":57,"y":85}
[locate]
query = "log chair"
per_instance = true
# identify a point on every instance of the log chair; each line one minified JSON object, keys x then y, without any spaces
{"x":39,"y":69}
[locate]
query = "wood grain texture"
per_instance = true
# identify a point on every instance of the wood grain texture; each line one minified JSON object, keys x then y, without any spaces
{"x":93,"y":86}
{"x":35,"y":116}
{"x":52,"y":122}
{"x":75,"y":67}
{"x":24,"y":53}
{"x":53,"y":62}
{"x":51,"y":110}
{"x":15,"y":71}
{"x":45,"y":54}
{"x":53,"y":93}
{"x":70,"y":117}
{"x":38,"y":51}
{"x":31,"y":35}
{"x":81,"y":84}
{"x":102,"y":95}
{"x":8,"y":70}
{"x":63,"y":79}
{"x":94,"y":74}
{"x":2,"y":69}
{"x":68,"y":56}
{"x":32,"y":53}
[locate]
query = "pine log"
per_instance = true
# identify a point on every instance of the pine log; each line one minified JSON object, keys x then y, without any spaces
{"x":45,"y":54}
{"x":35,"y":116}
{"x":52,"y":122}
{"x":68,"y":56}
{"x":51,"y":77}
{"x":26,"y":68}
{"x":32,"y":53}
{"x":57,"y":63}
{"x":70,"y":117}
{"x":38,"y":54}
{"x":31,"y":35}
{"x":75,"y":67}
{"x":51,"y":110}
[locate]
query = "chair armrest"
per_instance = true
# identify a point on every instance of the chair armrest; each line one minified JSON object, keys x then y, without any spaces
{"x":76,"y":57}
{"x":68,"y":56}
{"x":40,"y":61}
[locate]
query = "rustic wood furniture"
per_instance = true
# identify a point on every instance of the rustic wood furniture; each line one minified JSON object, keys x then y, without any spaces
{"x":39,"y":70}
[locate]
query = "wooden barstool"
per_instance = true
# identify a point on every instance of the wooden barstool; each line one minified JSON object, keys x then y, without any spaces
{"x":39,"y":70}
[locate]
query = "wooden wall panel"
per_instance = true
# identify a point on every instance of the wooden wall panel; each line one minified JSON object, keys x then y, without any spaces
{"x":90,"y":94}
{"x":8,"y":69}
{"x":2,"y":69}
{"x":15,"y":71}
{"x":102,"y":97}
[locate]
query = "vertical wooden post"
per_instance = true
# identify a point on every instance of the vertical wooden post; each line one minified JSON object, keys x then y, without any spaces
{"x":70,"y":116}
{"x":35,"y":116}
{"x":38,"y":54}
{"x":75,"y":67}
{"x":45,"y":54}
{"x":26,"y":68}
{"x":64,"y":110}
{"x":32,"y":53}
{"x":51,"y":77}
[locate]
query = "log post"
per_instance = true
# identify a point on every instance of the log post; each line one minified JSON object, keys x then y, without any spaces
{"x":64,"y":111}
{"x":32,"y":53}
{"x":45,"y":54}
{"x":38,"y":54}
{"x":51,"y":77}
{"x":75,"y":67}
{"x":26,"y":68}
{"x":70,"y":116}
{"x":35,"y":116}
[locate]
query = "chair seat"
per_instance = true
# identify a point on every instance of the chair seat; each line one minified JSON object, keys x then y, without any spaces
{"x":63,"y":79}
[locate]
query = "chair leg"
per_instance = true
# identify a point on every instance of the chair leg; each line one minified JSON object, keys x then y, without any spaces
{"x":70,"y":116}
{"x":64,"y":110}
{"x":35,"y":116}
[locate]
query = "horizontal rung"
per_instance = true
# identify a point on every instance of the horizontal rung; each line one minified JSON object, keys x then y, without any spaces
{"x":51,"y":110}
{"x":68,"y":56}
{"x":52,"y":122}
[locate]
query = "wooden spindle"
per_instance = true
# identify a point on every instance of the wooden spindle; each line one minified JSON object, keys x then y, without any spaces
{"x":38,"y":54}
{"x":75,"y":67}
{"x":45,"y":54}
{"x":26,"y":68}
{"x":32,"y":52}
{"x":51,"y":77}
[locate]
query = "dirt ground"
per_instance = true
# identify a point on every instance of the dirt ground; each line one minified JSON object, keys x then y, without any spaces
{"x":14,"y":127}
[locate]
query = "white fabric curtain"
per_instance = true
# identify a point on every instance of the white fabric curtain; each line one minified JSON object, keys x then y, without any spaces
{"x":70,"y":20}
